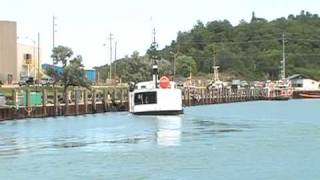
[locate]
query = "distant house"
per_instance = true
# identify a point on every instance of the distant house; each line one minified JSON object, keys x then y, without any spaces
{"x":301,"y":83}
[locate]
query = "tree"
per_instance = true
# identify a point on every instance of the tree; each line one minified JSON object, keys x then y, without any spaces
{"x":253,"y":50}
{"x":52,"y":72}
{"x":74,"y":74}
{"x":61,"y":54}
{"x":185,"y":65}
{"x":138,"y":68}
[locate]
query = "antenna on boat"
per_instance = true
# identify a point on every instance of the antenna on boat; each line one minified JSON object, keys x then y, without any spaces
{"x":153,"y":55}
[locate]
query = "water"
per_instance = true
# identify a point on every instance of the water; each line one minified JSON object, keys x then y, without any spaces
{"x":254,"y":140}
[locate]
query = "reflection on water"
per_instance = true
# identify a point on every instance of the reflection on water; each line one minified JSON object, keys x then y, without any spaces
{"x":15,"y":145}
{"x":207,"y":142}
{"x":169,"y":130}
{"x":211,"y":127}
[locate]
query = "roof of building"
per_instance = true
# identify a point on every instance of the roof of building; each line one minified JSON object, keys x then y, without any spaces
{"x":296,"y":76}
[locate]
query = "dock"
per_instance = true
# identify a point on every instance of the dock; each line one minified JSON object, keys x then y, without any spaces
{"x":102,"y":99}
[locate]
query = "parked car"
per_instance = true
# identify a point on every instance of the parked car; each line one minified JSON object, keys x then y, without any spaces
{"x":26,"y":81}
{"x":46,"y":81}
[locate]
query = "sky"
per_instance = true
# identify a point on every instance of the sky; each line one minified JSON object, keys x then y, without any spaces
{"x":85,"y":25}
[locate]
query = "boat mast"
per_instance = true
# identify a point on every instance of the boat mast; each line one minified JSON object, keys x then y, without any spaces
{"x":215,"y":67}
{"x":154,"y":58}
{"x":283,"y":62}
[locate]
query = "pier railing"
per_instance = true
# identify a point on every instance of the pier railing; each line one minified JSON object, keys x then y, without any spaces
{"x":49,"y":102}
{"x":201,"y":95}
{"x":40,"y":101}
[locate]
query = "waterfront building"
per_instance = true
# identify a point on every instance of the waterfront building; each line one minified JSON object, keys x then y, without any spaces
{"x":17,"y":60}
{"x":8,"y":51}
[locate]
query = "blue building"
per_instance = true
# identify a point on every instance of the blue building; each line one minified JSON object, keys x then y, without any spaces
{"x":91,"y":74}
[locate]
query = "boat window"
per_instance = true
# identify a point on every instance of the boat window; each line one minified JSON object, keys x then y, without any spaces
{"x":145,"y":98}
{"x":296,"y":85}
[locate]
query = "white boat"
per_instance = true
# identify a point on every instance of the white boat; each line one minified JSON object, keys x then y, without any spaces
{"x":279,"y":90}
{"x":156,"y":97}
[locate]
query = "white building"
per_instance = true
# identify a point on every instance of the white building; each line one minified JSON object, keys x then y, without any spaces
{"x":300,"y":83}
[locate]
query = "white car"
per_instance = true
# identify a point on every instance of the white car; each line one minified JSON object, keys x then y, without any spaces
{"x":46,"y":81}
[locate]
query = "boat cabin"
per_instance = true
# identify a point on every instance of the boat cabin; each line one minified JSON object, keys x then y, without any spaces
{"x":301,"y":83}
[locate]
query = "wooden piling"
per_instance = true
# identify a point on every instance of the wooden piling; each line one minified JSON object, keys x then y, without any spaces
{"x":121,"y":97}
{"x":189,"y":99}
{"x":44,"y":102}
{"x":14,"y":97}
{"x":105,"y":101}
{"x":56,"y":102}
{"x":85,"y":99}
{"x":66,"y":102}
{"x":94,"y":101}
{"x":76,"y":101}
{"x":28,"y":102}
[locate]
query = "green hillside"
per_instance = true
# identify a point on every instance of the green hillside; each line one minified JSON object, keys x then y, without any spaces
{"x":253,"y":50}
{"x":250,"y":50}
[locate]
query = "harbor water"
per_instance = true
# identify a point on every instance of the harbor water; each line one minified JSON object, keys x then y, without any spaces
{"x":251,"y":140}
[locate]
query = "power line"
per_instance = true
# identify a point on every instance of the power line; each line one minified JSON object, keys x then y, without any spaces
{"x":310,"y":40}
{"x":229,"y":42}
{"x":233,"y":56}
{"x":245,"y":42}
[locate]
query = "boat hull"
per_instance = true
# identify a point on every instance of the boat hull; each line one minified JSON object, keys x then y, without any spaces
{"x":171,"y":112}
{"x":306,"y":94}
{"x":279,"y":98}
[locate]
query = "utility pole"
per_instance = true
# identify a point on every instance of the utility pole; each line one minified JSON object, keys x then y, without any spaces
{"x":283,"y":71}
{"x":110,"y":39}
{"x":174,"y":62}
{"x":115,"y":57}
{"x":53,"y":34}
{"x":34,"y":59}
{"x":39,"y":64}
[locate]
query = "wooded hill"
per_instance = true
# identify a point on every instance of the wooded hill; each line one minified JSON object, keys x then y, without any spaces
{"x":250,"y":50}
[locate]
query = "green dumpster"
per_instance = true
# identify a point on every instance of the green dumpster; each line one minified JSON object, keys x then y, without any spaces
{"x":35,"y":99}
